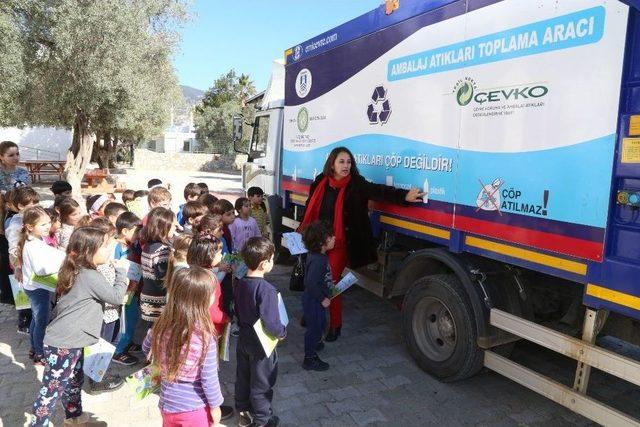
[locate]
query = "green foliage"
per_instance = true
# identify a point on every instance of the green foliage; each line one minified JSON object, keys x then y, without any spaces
{"x":12,"y":74}
{"x":109,"y":59}
{"x":214,"y":115}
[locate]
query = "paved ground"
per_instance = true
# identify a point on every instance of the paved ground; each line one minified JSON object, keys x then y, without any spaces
{"x":372,"y":379}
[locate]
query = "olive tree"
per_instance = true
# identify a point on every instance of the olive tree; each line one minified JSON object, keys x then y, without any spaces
{"x":97,"y":67}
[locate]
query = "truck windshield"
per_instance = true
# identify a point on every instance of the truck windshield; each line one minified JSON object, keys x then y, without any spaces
{"x":260,"y":135}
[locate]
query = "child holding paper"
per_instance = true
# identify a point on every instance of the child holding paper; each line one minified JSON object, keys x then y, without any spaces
{"x":318,"y":239}
{"x":256,"y":300}
{"x":183,"y":344}
{"x":83,"y":292}
{"x":37,"y":258}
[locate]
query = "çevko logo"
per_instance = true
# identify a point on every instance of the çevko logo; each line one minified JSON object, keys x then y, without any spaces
{"x":463,"y":90}
{"x":303,"y":120}
{"x":466,"y":91}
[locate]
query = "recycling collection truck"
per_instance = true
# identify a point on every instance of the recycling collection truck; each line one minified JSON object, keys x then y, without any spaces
{"x":520,"y":120}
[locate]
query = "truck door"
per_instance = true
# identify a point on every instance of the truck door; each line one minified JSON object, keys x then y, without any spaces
{"x":259,"y":170}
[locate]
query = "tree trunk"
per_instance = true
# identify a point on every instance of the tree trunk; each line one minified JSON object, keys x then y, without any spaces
{"x":113,"y":150}
{"x":79,"y":155}
{"x":96,"y":147}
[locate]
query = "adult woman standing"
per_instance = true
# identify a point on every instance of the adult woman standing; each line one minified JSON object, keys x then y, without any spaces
{"x":340,"y":196}
{"x":11,"y":176}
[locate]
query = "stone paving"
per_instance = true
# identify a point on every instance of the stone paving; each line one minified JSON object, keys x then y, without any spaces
{"x":372,"y":381}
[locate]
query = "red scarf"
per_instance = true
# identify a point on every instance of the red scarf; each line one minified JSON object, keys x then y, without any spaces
{"x":313,"y":208}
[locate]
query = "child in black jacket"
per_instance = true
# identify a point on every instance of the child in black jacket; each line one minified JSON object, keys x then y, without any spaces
{"x":318,"y":238}
{"x":256,"y":373}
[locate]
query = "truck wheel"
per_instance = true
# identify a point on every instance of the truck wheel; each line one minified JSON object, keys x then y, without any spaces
{"x":439,"y":328}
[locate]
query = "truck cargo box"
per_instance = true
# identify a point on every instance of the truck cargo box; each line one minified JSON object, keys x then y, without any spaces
{"x":516,"y":117}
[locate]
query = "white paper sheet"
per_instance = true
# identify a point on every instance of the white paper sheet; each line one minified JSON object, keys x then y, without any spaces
{"x":294,"y":243}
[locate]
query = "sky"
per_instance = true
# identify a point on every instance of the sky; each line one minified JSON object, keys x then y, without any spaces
{"x":248,"y":35}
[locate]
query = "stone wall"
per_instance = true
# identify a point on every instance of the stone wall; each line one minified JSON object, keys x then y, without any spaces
{"x":150,"y":160}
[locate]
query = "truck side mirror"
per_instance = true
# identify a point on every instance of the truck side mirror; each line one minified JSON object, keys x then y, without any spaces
{"x":237,"y":134}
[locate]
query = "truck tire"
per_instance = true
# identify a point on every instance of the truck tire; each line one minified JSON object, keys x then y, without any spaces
{"x":439,"y":328}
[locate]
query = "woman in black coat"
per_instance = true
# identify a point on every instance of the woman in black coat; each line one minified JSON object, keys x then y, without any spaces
{"x":340,"y":196}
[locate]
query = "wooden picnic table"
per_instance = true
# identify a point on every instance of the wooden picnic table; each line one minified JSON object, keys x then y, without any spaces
{"x":37,"y":168}
{"x":97,"y":183}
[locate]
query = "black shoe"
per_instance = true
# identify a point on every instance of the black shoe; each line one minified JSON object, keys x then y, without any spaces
{"x":314,"y":364}
{"x":109,"y":383}
{"x":134,"y":348}
{"x":303,"y":322}
{"x":39,"y":360}
{"x":333,"y":334}
{"x":125,"y":359}
{"x":244,"y":419}
{"x":24,"y":330}
{"x":226,"y":412}
{"x":274,"y":421}
{"x":320,"y":346}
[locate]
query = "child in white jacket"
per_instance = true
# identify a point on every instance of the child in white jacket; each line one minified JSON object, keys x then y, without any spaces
{"x":38,"y":259}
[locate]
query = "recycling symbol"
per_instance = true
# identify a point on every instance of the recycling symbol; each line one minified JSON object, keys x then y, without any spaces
{"x":379,"y":109}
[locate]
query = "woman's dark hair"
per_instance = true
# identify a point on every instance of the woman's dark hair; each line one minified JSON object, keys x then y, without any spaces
{"x":6,"y":145}
{"x":140,"y":193}
{"x":203,"y":249}
{"x":127,"y":220}
{"x":83,"y":245}
{"x":315,"y":235}
{"x":328,"y":165}
{"x":159,"y":223}
{"x":240,"y":201}
{"x":256,"y":250}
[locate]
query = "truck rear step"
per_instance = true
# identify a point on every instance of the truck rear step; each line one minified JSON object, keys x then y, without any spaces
{"x":584,"y":351}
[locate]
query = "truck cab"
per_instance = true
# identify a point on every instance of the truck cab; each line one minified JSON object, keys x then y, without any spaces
{"x":262,"y":168}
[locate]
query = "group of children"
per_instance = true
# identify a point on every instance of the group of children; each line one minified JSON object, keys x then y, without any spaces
{"x":76,"y":270}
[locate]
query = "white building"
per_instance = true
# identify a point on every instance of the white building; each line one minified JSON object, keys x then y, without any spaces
{"x":177,"y":138}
